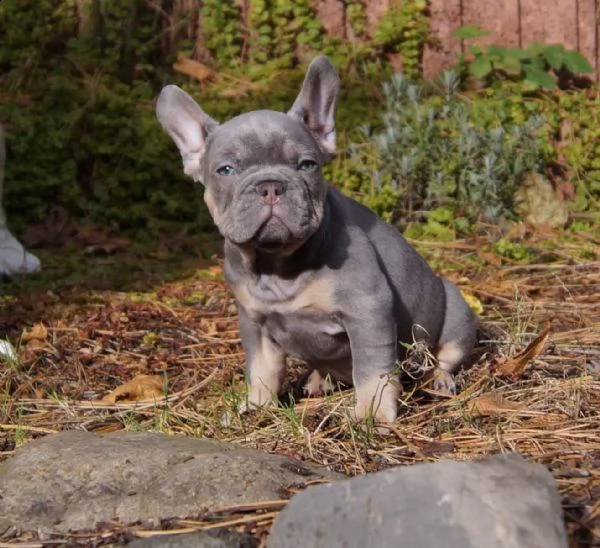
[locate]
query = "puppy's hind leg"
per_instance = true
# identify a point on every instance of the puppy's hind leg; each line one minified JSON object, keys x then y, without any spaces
{"x":324,"y":377}
{"x":316,"y":384}
{"x":458,"y":337}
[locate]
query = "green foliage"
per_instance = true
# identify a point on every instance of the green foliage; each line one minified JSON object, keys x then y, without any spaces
{"x":78,"y":88}
{"x":280,"y":31}
{"x":87,"y":138}
{"x":511,"y":250}
{"x":261,"y":30}
{"x":357,"y":17}
{"x":538,"y":65}
{"x":404,"y":30}
{"x":440,"y":150}
{"x":571,"y":129}
{"x":222,"y":33}
{"x":576,"y":119}
{"x":77,"y":93}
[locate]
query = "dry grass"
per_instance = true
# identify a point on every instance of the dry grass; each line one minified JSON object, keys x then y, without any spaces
{"x":90,"y":342}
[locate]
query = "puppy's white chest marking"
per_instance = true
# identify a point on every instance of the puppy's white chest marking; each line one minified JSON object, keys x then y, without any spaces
{"x":301,"y":317}
{"x":313,"y":298}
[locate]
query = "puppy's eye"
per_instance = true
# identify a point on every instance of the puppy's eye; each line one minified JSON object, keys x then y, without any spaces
{"x":226,"y":170}
{"x":306,"y":165}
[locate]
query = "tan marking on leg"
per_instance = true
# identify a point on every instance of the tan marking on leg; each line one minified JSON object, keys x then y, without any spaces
{"x":313,"y":384}
{"x":450,"y":355}
{"x":267,"y":370}
{"x":378,"y":397}
{"x":316,"y":384}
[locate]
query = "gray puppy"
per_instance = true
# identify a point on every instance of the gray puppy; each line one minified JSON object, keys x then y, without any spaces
{"x":316,"y":275}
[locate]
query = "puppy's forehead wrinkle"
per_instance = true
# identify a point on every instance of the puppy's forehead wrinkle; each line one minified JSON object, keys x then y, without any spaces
{"x":272,"y":136}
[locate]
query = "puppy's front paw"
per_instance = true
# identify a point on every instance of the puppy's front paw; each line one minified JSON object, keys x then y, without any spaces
{"x":256,"y":400}
{"x":443,"y":382}
{"x":377,"y":398}
{"x":260,"y":395}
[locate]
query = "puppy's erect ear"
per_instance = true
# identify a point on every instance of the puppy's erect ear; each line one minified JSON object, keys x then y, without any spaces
{"x":187,"y":124}
{"x":315,"y":105}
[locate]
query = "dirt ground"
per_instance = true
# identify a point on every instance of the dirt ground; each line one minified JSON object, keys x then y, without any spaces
{"x":165,"y":319}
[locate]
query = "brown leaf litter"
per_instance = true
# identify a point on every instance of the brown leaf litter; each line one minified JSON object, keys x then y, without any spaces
{"x":171,"y":359}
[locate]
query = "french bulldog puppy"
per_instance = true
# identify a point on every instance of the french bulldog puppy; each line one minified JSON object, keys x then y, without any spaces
{"x":315,"y":274}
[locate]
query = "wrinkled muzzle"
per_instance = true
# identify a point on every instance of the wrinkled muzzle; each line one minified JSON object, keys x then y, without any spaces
{"x":270,"y":210}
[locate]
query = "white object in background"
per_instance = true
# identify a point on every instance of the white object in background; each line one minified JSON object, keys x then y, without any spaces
{"x":7,"y":351}
{"x":14,"y":259}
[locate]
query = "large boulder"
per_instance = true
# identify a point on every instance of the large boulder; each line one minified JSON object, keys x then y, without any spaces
{"x":502,"y":502}
{"x":73,"y":480}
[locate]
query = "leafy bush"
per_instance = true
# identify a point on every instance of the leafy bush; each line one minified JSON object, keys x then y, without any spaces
{"x":538,"y":65}
{"x":77,"y":91}
{"x":445,"y":151}
{"x":80,"y":122}
{"x":575,"y":122}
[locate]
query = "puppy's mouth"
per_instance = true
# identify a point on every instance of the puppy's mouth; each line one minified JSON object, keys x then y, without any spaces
{"x":273,"y":235}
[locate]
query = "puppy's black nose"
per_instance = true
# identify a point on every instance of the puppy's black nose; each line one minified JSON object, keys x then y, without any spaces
{"x":270,"y":191}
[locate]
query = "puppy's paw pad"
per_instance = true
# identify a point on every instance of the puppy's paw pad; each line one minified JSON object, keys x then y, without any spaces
{"x":384,"y":429}
{"x":443,"y":382}
{"x":381,"y":426}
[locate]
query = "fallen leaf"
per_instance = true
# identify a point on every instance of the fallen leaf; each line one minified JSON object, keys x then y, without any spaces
{"x":434,"y":448}
{"x":98,"y":240}
{"x":192,"y":68}
{"x":34,"y":344}
{"x":493,"y":404}
{"x":91,"y":235}
{"x":37,"y":333}
{"x":140,"y":388}
{"x":513,"y":367}
{"x":106,"y":428}
{"x":489,"y":257}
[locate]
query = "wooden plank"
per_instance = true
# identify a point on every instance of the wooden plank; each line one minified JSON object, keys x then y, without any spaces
{"x":332,"y":17}
{"x":499,"y":17}
{"x":549,"y":22}
{"x":588,"y":22}
{"x":374,"y":11}
{"x":446,"y":17}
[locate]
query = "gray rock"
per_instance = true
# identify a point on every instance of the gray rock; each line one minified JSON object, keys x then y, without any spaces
{"x":73,"y":480}
{"x":218,"y":538}
{"x":501,"y":502}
